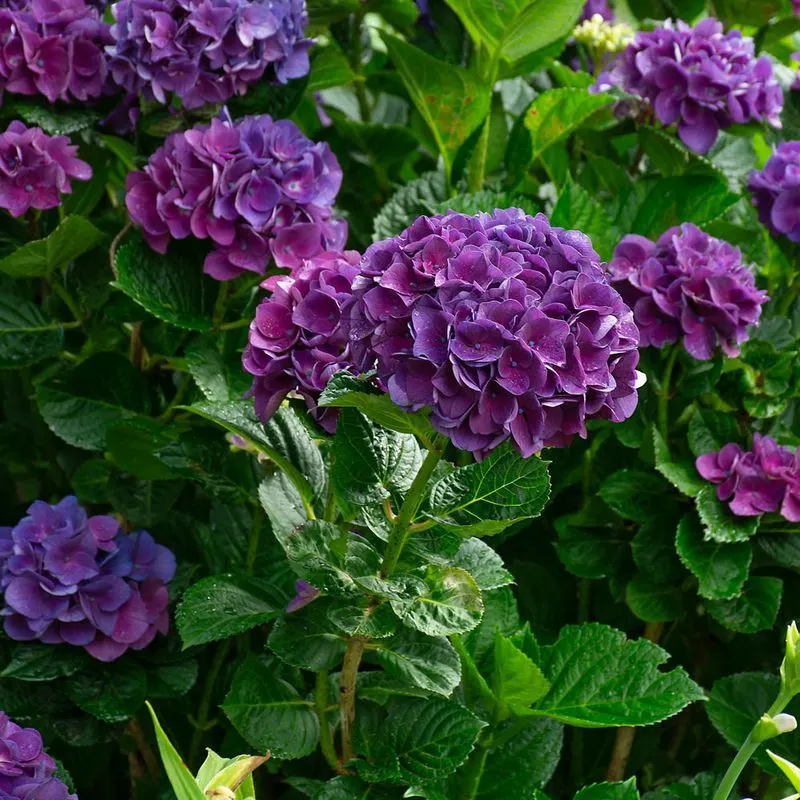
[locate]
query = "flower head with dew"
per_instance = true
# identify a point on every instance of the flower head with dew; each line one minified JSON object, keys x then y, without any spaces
{"x":54,"y":49}
{"x":758,"y":481}
{"x":257,"y":188}
{"x":296,"y":342}
{"x":775,"y":191}
{"x":698,"y":78}
{"x":205,"y":52}
{"x":505,"y":326}
{"x":26,"y":771}
{"x":690,"y":286}
{"x":36,"y":169}
{"x":68,"y":578}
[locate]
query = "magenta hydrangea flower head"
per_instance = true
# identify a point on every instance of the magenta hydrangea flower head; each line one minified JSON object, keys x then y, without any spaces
{"x":79,"y":580}
{"x":296,"y":342}
{"x":601,"y":7}
{"x":35,"y":169}
{"x":699,"y":78}
{"x":504,"y":326}
{"x":776,"y":191}
{"x":203,"y":51}
{"x":54,"y":48}
{"x":257,"y":189}
{"x":26,"y":771}
{"x":691,"y":285}
{"x":760,"y":481}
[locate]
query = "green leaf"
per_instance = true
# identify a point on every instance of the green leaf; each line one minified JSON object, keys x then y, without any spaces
{"x":791,"y":771}
{"x":576,"y":209}
{"x":500,"y":614}
{"x":710,"y":431}
{"x":474,"y":202}
{"x":719,"y":522}
{"x":171,"y":287}
{"x":26,"y":336}
{"x":451,"y":603}
{"x":555,"y":114}
{"x":425,"y":661}
{"x":306,"y":639}
{"x":515,"y":29}
{"x":654,"y":602}
{"x":208,"y":370}
{"x":422,"y":196}
{"x":700,"y":787}
{"x":373,"y":621}
{"x":450,"y":99}
{"x":633,"y":494}
{"x":346,"y":391}
{"x":720,"y":568}
{"x":682,"y":475}
{"x":182,"y":781}
{"x":73,"y":237}
{"x":517,"y":682}
{"x":224,"y":605}
{"x":483,"y":563}
{"x":736,"y":703}
{"x":520,"y":765}
{"x":690,"y":198}
{"x":269,"y":714}
{"x":653,"y":550}
{"x":112,"y":693}
{"x":41,"y":662}
{"x":79,"y":405}
{"x":486,"y":498}
{"x":756,"y":608}
{"x":329,"y":68}
{"x":370,"y":462}
{"x":609,"y":791}
{"x":132,"y":446}
{"x":431,"y":738}
{"x":601,"y":679}
{"x":169,"y":681}
{"x":282,"y":504}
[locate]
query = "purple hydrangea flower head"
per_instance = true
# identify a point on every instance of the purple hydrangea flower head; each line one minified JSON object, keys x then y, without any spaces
{"x":759,"y":481}
{"x":776,"y":191}
{"x":688,"y":284}
{"x":206,"y":51}
{"x":79,"y":580}
{"x":504,"y":326}
{"x":54,"y":48}
{"x":35,"y":169}
{"x":296,"y":342}
{"x":699,"y":78}
{"x":601,"y":7}
{"x":26,"y":771}
{"x":257,"y":189}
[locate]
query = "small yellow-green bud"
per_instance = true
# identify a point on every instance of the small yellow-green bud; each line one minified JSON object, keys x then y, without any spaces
{"x":790,"y":668}
{"x":602,"y":37}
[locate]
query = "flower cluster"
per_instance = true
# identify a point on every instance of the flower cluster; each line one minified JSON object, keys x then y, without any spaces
{"x":700,"y":78}
{"x":254,"y":187}
{"x":602,"y":38}
{"x":26,"y":771}
{"x":296,"y":342}
{"x":776,"y":191}
{"x":54,"y":48}
{"x":688,"y":283}
{"x":757,"y":481}
{"x":206,"y":52}
{"x":35,"y":169}
{"x":69,"y":578}
{"x":594,"y":8}
{"x":502,"y":324}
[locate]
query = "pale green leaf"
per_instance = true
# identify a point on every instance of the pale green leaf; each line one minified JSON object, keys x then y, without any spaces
{"x":182,"y":781}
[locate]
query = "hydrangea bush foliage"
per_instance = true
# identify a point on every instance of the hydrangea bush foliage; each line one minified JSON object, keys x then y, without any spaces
{"x":399,"y":399}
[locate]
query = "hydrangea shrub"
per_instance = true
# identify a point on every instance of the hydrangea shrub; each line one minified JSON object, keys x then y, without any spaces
{"x":399,"y":399}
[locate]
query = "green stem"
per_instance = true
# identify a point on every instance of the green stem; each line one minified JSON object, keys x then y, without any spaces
{"x":791,"y":295}
{"x":220,"y":305}
{"x":177,"y":399}
{"x":355,"y":63}
{"x":236,"y":324}
{"x":477,"y":173}
{"x":749,"y":746}
{"x":67,"y":299}
{"x":253,"y":542}
{"x":473,"y":772}
{"x":201,"y":723}
{"x":663,"y":394}
{"x":347,"y":694}
{"x":321,"y":706}
{"x":400,"y":532}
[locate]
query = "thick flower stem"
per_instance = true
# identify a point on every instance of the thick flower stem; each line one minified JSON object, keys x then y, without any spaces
{"x":321,"y":706}
{"x":400,"y":530}
{"x":625,"y":736}
{"x":347,"y":694}
{"x":749,"y":746}
{"x":664,"y":393}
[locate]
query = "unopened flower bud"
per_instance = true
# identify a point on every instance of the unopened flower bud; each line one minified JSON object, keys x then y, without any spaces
{"x":790,"y":668}
{"x":769,"y":727}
